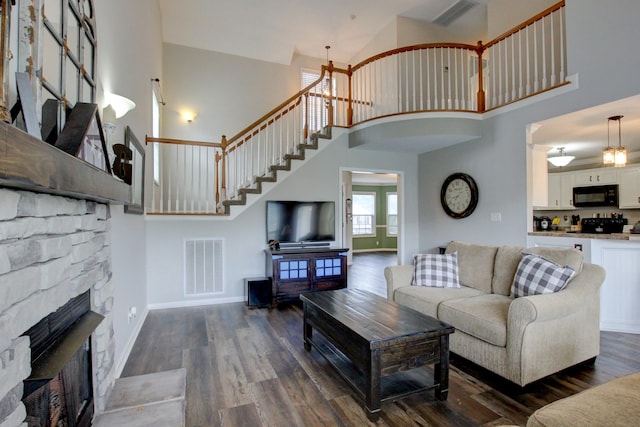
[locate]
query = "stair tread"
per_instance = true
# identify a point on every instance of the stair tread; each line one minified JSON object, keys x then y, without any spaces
{"x":169,"y":414}
{"x":147,"y":389}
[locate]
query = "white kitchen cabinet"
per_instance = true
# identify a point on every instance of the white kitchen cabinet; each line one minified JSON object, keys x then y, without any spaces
{"x":600,"y":176}
{"x":561,"y":190}
{"x":629,"y":188}
{"x":620,"y":291}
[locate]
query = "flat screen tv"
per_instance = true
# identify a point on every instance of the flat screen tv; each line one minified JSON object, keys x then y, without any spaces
{"x":301,"y":222}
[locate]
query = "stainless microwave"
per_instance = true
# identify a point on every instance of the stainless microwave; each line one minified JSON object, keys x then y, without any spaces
{"x":597,"y":195}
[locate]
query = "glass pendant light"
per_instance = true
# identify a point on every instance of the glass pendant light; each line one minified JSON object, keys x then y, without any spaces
{"x":621,"y":152}
{"x":609,"y":153}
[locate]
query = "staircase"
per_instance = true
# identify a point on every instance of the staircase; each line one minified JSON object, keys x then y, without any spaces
{"x":205,"y":178}
{"x":272,"y":176}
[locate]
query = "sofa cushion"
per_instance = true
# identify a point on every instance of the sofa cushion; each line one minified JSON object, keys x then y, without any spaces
{"x":537,"y":275}
{"x":440,"y":271}
{"x":426,"y":299}
{"x":482,"y":316}
{"x":504,"y":269}
{"x":615,"y":403}
{"x":475,"y":264}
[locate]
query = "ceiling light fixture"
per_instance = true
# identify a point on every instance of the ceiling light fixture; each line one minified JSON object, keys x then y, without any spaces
{"x":609,"y":153}
{"x":561,"y":160}
{"x":620,"y":153}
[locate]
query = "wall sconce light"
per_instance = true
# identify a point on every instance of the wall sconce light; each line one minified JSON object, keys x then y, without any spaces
{"x":116,"y":107}
{"x":189,"y":116}
{"x":120,"y":104}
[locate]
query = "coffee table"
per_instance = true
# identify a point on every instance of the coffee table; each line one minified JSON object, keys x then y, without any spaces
{"x":377,"y":346}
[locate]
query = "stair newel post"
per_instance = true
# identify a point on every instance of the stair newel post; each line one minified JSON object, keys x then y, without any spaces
{"x":481,"y":94}
{"x":350,"y":99}
{"x":306,"y":117}
{"x":330,"y":95}
{"x":223,"y":175}
{"x":216,"y":174}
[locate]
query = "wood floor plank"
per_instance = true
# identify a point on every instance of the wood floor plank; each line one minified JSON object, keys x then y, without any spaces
{"x":202,"y":396}
{"x":314,"y":409}
{"x":274,"y":406}
{"x":239,"y":416}
{"x":228,"y":368}
{"x":352,"y":414}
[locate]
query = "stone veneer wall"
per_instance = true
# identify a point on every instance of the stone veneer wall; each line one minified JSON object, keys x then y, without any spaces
{"x":51,"y":249}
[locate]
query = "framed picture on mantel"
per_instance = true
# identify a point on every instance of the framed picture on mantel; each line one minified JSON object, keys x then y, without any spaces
{"x":137,"y":174}
{"x":83,"y":137}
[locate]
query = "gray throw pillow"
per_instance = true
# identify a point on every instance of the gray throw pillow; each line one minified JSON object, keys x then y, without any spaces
{"x":440,"y":271}
{"x":537,"y":275}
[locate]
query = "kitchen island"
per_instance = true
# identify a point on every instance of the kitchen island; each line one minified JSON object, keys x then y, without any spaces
{"x":619,"y":254}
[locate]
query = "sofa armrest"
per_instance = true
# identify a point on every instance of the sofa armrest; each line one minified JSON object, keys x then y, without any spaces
{"x":397,"y":276}
{"x":565,"y":324}
{"x":574,"y":297}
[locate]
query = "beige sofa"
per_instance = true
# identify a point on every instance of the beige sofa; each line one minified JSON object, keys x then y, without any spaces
{"x":521,"y":339}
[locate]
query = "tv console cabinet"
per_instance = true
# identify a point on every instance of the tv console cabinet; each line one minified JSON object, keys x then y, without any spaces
{"x":295,"y":271}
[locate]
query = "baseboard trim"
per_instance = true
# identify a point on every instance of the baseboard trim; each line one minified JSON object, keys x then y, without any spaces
{"x":130,"y":343}
{"x":195,"y":303}
{"x":361,"y":251}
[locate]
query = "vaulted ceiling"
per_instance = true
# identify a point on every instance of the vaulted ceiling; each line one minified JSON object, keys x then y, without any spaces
{"x":273,"y":30}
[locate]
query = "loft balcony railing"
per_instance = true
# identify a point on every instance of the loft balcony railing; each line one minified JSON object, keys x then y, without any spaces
{"x":206,"y":178}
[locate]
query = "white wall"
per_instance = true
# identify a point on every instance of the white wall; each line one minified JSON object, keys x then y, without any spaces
{"x":245,"y":236}
{"x":498,"y":160}
{"x":227,"y":92}
{"x":412,"y":31}
{"x":503,"y":15}
{"x":129,"y":56}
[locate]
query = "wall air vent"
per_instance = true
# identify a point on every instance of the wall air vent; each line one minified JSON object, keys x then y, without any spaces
{"x":203,"y":263}
{"x":455,"y":11}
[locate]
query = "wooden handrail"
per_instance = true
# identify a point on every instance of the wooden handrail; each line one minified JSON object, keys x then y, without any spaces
{"x":411,"y":48}
{"x":278,"y":108}
{"x":182,"y":142}
{"x":525,"y":24}
{"x":265,"y":125}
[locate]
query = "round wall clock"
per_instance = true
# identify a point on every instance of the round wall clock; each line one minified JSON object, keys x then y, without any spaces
{"x":459,"y":195}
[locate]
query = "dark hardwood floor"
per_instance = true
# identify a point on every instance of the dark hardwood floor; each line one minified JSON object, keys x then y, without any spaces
{"x":367,"y":271}
{"x":248,"y":367}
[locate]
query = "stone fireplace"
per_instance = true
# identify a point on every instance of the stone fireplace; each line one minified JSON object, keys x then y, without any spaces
{"x":52,"y":249}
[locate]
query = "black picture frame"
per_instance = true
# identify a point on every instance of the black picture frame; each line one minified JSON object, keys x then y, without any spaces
{"x":83,"y":137}
{"x":138,"y":171}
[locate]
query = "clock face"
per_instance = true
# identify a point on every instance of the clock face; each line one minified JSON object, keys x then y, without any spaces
{"x":459,"y":195}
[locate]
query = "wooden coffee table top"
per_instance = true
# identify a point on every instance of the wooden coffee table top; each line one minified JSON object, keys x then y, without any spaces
{"x":375,"y":319}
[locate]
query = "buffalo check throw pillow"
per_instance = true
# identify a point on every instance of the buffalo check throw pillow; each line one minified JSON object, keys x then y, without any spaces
{"x":537,"y":275}
{"x":440,"y":271}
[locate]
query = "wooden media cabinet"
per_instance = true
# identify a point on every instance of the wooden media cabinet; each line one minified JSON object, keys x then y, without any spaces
{"x":295,"y":271}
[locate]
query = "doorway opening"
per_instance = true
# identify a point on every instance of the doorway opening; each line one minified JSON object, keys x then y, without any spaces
{"x":371,"y":226}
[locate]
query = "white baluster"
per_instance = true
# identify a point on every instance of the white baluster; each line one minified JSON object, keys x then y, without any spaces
{"x":562,"y":53}
{"x":544,"y":56}
{"x":513,"y":67}
{"x":421,"y":80}
{"x":528,"y":56}
{"x":535,"y":57}
{"x":553,"y":51}
{"x":520,"y":65}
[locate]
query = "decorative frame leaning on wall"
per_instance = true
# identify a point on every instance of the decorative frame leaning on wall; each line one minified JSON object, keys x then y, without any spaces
{"x":137,"y":177}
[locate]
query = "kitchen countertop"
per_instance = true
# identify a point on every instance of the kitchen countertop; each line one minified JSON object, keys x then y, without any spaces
{"x":613,"y":236}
